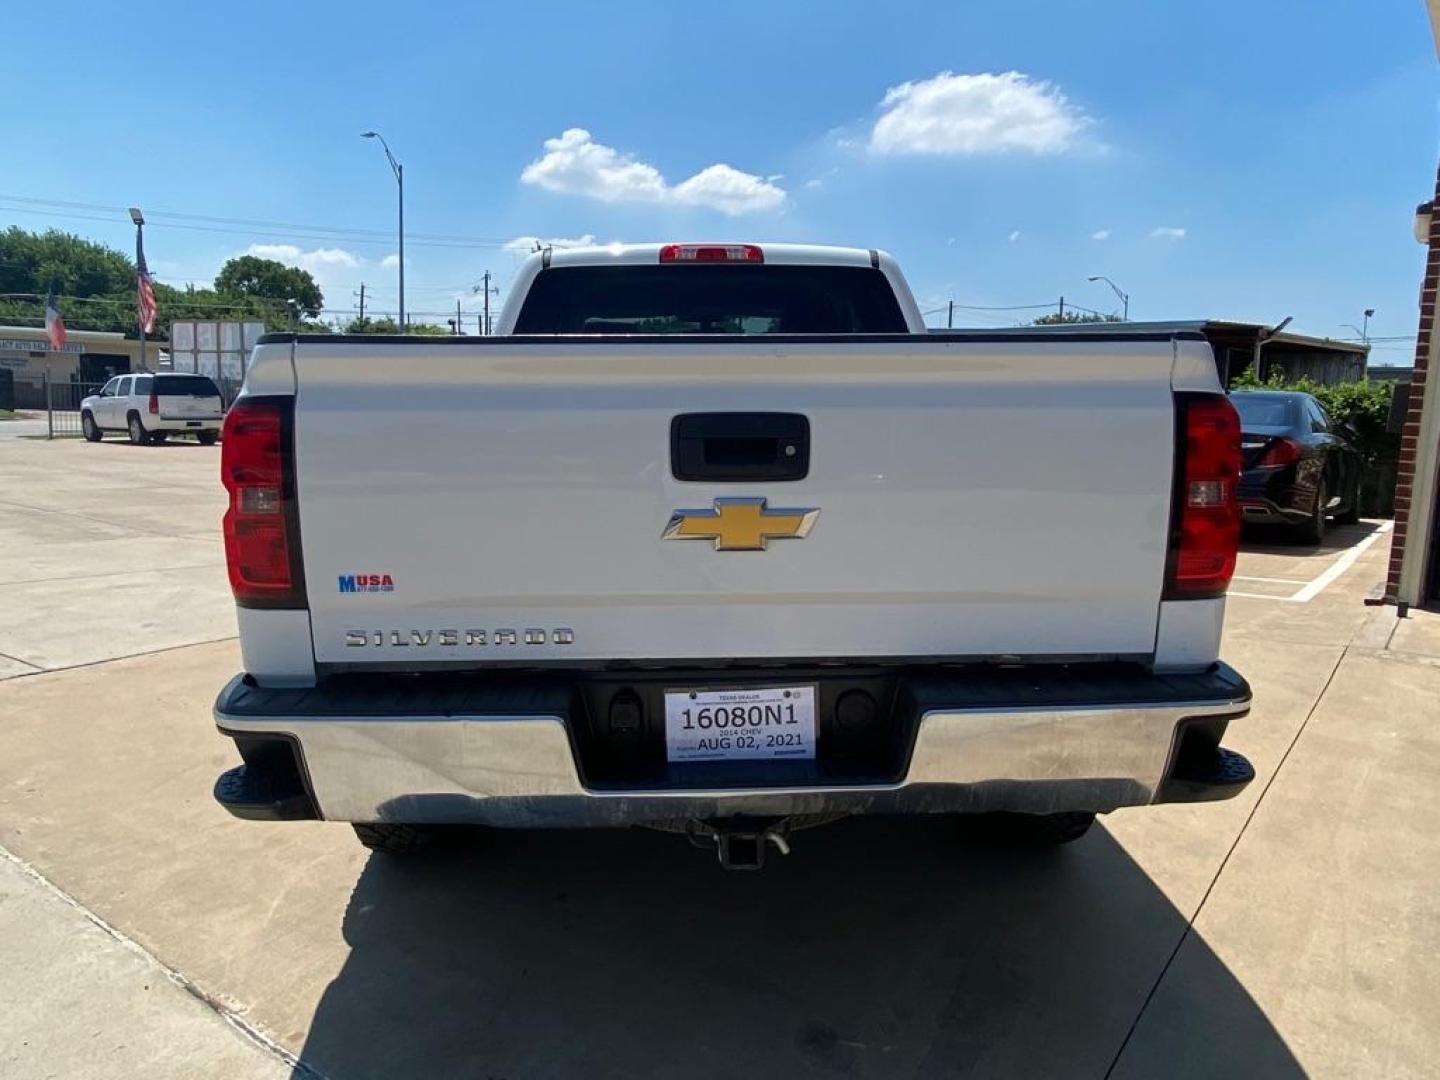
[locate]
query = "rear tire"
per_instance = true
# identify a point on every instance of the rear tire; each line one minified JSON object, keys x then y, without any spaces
{"x":1312,"y":530}
{"x":1043,"y":830}
{"x":138,"y":435}
{"x":391,"y":839}
{"x":207,"y":438}
{"x":90,"y":429}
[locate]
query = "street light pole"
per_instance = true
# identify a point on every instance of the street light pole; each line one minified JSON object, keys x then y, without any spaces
{"x":1365,"y":330}
{"x":399,"y":171}
{"x":1124,"y":296}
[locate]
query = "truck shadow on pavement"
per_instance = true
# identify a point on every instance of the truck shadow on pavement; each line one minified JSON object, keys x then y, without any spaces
{"x":879,"y":948}
{"x":1276,"y":540}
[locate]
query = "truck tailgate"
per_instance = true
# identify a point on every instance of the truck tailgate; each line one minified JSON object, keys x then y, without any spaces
{"x":508,"y":499}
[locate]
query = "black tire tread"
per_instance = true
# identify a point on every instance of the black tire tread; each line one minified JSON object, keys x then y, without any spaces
{"x":389,"y":838}
{"x":1312,"y":529}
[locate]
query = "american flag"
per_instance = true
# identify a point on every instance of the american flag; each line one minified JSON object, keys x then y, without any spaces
{"x":146,"y":288}
{"x":54,"y":324}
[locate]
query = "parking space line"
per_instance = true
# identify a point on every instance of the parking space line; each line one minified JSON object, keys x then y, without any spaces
{"x":1272,"y":580}
{"x":1343,"y":563}
{"x":1327,"y":577}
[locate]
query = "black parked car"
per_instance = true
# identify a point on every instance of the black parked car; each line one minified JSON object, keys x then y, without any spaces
{"x":1298,"y":465}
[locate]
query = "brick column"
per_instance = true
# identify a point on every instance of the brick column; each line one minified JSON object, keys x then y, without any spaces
{"x":1410,"y":432}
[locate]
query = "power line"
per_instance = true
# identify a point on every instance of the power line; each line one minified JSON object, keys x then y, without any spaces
{"x":39,"y":298}
{"x":334,"y":231}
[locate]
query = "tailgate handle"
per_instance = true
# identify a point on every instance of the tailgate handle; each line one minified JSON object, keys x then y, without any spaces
{"x":740,"y":446}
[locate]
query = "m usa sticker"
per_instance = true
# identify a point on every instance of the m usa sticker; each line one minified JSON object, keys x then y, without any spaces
{"x":366,"y":583}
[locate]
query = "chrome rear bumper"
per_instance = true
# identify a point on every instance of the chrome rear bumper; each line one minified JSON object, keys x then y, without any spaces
{"x":518,"y":768}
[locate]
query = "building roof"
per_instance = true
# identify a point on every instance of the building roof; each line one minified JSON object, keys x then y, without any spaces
{"x":38,"y":332}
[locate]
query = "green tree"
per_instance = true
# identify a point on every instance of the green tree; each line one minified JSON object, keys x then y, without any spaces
{"x":96,"y":286}
{"x":386,"y":325}
{"x":252,"y":276}
{"x":36,"y":262}
{"x":1057,"y":319}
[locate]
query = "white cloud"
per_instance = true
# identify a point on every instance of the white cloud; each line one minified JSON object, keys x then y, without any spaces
{"x":814,"y":185}
{"x":306,"y":260}
{"x":1014,"y":236}
{"x":391,"y":261}
{"x":527,"y":244}
{"x":728,"y":190}
{"x":1100,"y":234}
{"x":977,"y":114}
{"x":1167,"y":232}
{"x":575,"y":164}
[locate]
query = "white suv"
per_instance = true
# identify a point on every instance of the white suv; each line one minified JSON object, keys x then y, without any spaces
{"x":151,"y":407}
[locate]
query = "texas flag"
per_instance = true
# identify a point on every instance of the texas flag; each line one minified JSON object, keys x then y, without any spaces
{"x":54,"y":324}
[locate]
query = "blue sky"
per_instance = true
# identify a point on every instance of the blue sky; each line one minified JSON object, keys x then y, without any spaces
{"x":1289,"y":141}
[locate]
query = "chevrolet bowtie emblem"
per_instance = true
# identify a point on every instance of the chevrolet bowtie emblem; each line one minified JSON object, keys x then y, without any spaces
{"x":740,"y":524}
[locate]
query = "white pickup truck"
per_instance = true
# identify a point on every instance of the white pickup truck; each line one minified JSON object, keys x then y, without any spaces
{"x":717,"y":538}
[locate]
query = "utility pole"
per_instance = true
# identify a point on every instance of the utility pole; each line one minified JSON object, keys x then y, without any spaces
{"x":458,"y":328}
{"x":485,"y":290}
{"x":950,"y":317}
{"x":362,"y":306}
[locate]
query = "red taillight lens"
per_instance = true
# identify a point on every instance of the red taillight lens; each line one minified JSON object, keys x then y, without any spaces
{"x":154,"y":405}
{"x":261,"y":546}
{"x":1279,"y":452}
{"x":711,"y":253}
{"x":1205,"y":523}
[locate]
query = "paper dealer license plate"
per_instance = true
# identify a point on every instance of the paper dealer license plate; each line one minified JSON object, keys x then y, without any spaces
{"x":765,"y":722}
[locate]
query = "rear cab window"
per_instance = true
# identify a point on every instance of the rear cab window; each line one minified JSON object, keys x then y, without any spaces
{"x":1262,"y":411}
{"x":185,"y":386}
{"x":142,"y":385}
{"x":718,"y":299}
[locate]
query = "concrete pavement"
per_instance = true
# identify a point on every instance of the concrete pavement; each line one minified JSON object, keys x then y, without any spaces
{"x":79,"y":1000}
{"x":108,"y":550}
{"x":1288,"y":932}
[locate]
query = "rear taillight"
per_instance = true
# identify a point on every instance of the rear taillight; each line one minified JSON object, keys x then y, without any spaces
{"x":154,"y":405}
{"x":1205,"y":518}
{"x":1279,"y":452}
{"x":711,"y":253}
{"x":262,"y":542}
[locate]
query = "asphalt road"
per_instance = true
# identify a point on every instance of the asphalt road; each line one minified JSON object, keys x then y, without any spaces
{"x":1289,"y":932}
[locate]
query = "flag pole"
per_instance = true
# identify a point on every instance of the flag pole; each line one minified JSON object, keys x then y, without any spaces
{"x":139,"y":219}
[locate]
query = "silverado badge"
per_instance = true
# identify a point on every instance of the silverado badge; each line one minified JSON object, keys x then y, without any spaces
{"x":743,"y":524}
